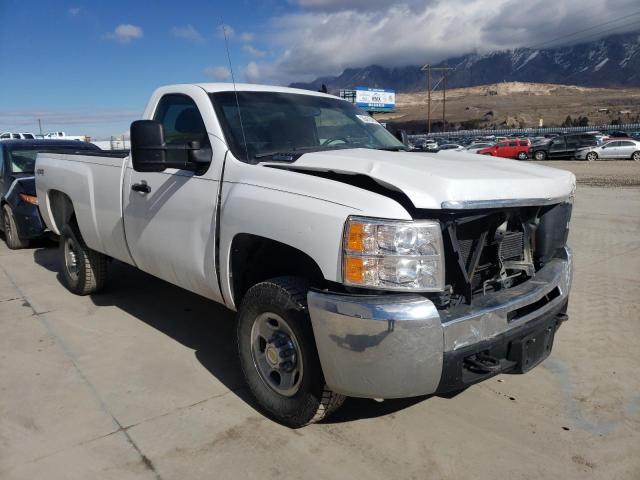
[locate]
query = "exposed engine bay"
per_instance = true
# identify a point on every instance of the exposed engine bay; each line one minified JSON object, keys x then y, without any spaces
{"x":491,"y":250}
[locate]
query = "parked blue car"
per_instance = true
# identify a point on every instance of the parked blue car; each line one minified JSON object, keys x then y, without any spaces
{"x":19,"y":215}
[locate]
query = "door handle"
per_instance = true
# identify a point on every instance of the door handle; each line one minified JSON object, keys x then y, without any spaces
{"x":141,"y":187}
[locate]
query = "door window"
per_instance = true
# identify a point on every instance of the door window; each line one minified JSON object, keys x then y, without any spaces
{"x":627,"y":144}
{"x":182,"y":123}
{"x":557,"y":145}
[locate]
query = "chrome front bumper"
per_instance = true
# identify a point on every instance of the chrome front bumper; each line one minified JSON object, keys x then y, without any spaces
{"x":392,"y":346}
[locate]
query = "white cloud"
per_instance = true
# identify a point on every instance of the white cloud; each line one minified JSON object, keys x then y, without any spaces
{"x":217,"y":73}
{"x":189,"y":33}
{"x":253,"y":73}
{"x":74,"y":11}
{"x":253,"y":51}
{"x":327,"y":36}
{"x":125,"y":33}
{"x":246,"y":37}
{"x":226,"y":30}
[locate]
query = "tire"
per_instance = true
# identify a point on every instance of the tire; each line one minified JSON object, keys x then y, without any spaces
{"x":11,"y":237}
{"x":84,"y":271}
{"x":523,"y":156}
{"x":277,"y":309}
{"x":635,"y":156}
{"x":591,"y":156}
{"x":540,"y":155}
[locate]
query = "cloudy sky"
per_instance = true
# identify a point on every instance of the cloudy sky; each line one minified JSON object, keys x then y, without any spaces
{"x":88,"y":67}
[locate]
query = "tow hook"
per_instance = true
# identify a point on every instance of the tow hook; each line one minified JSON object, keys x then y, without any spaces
{"x":482,"y":363}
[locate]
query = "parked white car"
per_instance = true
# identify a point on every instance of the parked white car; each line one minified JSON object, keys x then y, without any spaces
{"x":626,"y":148}
{"x":16,"y":136}
{"x":357,"y":268}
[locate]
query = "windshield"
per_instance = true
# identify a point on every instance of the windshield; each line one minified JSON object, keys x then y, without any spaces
{"x":287,"y":122}
{"x":23,"y":160}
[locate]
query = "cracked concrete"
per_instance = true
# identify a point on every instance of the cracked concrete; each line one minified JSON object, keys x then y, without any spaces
{"x":142,"y":381}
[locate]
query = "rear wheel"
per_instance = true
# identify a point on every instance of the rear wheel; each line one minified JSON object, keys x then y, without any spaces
{"x":84,"y":270}
{"x":592,"y":156}
{"x":278,"y":354}
{"x":540,"y":155}
{"x":635,"y":156}
{"x":11,"y":236}
{"x":522,"y":156}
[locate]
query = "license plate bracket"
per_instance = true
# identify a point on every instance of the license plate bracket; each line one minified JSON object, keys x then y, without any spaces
{"x":532,"y":349}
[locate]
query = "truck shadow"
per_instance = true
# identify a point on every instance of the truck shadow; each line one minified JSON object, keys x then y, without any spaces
{"x":202,"y":325}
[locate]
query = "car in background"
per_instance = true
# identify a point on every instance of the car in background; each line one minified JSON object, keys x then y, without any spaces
{"x":615,"y":135}
{"x":625,"y":148}
{"x":515,"y":148}
{"x":16,"y":136}
{"x":476,"y":146}
{"x":19,"y":216}
{"x":562,"y":146}
{"x":451,"y":146}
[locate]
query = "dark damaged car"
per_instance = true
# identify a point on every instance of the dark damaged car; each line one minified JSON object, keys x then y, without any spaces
{"x":19,"y":215}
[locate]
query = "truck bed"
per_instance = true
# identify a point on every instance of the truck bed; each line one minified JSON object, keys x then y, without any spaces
{"x":93,"y":183}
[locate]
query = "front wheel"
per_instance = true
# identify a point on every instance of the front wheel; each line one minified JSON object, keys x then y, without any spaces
{"x":540,"y":155}
{"x":84,"y":271}
{"x":592,"y":156}
{"x":636,"y":156}
{"x":522,"y":156}
{"x":11,"y":236}
{"x":278,"y":354}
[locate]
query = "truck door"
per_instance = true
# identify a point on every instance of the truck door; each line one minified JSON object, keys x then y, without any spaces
{"x":170,"y":216}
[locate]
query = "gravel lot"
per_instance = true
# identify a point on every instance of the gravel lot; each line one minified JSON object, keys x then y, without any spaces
{"x":142,"y":381}
{"x":602,"y":173}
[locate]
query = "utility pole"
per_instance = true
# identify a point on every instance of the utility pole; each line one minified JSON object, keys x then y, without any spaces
{"x":40,"y":126}
{"x":428,"y":68}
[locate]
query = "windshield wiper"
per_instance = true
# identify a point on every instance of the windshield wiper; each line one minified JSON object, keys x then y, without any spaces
{"x":393,"y":149}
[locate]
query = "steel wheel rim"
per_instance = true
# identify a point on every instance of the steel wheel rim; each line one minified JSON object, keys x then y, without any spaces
{"x":591,"y":156}
{"x":636,"y":156}
{"x":71,"y":259}
{"x":276,"y":354}
{"x":539,"y":156}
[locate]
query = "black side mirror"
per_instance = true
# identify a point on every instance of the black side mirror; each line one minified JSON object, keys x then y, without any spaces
{"x":148,"y":152}
{"x":402,"y":136}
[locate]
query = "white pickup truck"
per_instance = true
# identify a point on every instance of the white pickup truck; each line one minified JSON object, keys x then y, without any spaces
{"x":357,"y":268}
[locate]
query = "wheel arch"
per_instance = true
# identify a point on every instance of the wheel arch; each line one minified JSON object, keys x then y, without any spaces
{"x":254,"y":258}
{"x":61,"y":210}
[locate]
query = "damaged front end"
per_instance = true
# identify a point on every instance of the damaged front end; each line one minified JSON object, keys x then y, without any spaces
{"x":496,"y":249}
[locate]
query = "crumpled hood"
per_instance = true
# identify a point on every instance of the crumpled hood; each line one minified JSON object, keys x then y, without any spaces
{"x":431,"y":179}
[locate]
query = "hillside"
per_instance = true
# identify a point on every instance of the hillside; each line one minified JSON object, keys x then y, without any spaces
{"x":613,"y":61}
{"x":516,"y":104}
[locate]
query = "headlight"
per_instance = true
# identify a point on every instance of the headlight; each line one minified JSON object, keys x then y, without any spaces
{"x":393,"y":255}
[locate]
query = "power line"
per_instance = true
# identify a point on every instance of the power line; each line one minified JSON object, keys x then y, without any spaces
{"x":585,"y":30}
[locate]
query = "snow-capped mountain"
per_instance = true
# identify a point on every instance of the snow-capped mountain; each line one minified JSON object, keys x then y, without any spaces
{"x":612,"y":61}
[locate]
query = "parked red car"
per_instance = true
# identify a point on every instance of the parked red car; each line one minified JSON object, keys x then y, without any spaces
{"x":514,"y":148}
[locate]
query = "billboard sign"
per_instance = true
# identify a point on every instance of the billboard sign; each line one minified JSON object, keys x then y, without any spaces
{"x":376,"y":99}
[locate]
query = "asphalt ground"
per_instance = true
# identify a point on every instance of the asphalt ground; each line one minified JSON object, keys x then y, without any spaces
{"x":142,"y":381}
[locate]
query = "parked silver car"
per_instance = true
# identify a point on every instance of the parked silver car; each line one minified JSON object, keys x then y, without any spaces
{"x":626,"y":148}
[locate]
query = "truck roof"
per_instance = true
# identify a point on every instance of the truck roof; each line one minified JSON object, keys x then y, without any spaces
{"x":251,"y":87}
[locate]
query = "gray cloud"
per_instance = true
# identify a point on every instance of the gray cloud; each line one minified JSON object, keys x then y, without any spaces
{"x":125,"y":33}
{"x":328,"y":36}
{"x":189,"y":33}
{"x":217,"y":73}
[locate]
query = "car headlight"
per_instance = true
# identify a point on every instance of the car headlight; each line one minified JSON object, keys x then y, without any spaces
{"x":393,"y":255}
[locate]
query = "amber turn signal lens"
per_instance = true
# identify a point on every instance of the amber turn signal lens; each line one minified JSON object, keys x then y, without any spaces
{"x":355,"y":237}
{"x":32,"y":199}
{"x":354,"y":269}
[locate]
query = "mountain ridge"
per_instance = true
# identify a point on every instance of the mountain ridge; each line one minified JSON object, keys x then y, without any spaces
{"x":612,"y":61}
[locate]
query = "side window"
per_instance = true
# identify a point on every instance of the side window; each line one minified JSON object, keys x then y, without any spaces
{"x":1,"y":163}
{"x":502,"y":144}
{"x":627,"y":144}
{"x":513,"y":144}
{"x":181,"y":120}
{"x":613,"y":144}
